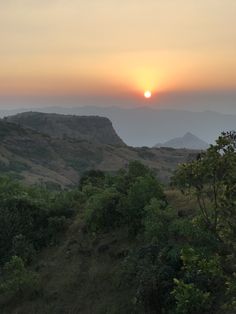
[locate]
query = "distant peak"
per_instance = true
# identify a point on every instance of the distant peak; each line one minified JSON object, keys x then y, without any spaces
{"x":189,"y":134}
{"x":189,"y":141}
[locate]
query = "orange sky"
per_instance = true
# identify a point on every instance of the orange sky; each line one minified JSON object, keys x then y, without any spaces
{"x":59,"y":47}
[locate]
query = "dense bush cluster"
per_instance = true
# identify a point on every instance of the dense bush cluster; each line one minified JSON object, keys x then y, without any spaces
{"x":17,"y":282}
{"x":30,"y":219}
{"x":115,"y":201}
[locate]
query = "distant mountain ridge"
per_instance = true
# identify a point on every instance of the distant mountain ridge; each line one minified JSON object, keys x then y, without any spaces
{"x":90,"y":128}
{"x":148,"y":126}
{"x":188,"y":141}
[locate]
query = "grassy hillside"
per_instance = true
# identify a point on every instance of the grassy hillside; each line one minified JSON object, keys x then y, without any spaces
{"x":36,"y":157}
{"x":90,"y":128}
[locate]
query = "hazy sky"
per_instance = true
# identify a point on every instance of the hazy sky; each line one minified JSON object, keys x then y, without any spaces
{"x":110,"y":51}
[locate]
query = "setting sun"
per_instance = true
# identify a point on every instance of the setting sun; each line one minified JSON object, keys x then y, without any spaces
{"x":147,"y":94}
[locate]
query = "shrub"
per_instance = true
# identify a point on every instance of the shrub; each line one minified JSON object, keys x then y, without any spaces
{"x":143,"y":190}
{"x":31,"y":217}
{"x":101,"y":211}
{"x":22,"y":248}
{"x":190,"y":299}
{"x":94,"y":177}
{"x":149,"y":271}
{"x":17,"y":281}
{"x":158,"y":220}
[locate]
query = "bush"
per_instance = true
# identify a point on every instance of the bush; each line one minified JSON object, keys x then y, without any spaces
{"x":149,"y":271}
{"x":94,"y":177}
{"x":190,"y":299}
{"x":101,"y":211}
{"x":20,"y":215}
{"x":139,"y":195}
{"x":158,"y":220}
{"x":17,"y":281}
{"x":31,"y":217}
{"x":22,"y":248}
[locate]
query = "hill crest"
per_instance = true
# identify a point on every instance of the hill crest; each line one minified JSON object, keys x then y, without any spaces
{"x":91,"y":128}
{"x":37,"y":158}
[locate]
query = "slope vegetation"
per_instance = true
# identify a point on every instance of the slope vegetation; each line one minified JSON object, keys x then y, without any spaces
{"x":59,"y":161}
{"x":93,"y":128}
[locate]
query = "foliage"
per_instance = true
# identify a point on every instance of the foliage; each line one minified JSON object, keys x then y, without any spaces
{"x":212,"y":179}
{"x":101,"y":212}
{"x":230,"y":297}
{"x":178,"y":261}
{"x":93,"y":177}
{"x":190,"y":299}
{"x":23,"y":248}
{"x":121,"y":199}
{"x":141,"y":192}
{"x":30,"y":218}
{"x":17,"y":281}
{"x":196,"y":250}
{"x":151,"y":269}
{"x":158,"y":221}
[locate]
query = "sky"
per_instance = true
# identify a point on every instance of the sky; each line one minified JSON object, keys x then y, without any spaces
{"x":108,"y":52}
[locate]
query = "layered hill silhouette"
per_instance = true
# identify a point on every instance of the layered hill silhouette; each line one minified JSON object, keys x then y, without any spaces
{"x":34,"y":151}
{"x":148,"y":126}
{"x":188,"y":141}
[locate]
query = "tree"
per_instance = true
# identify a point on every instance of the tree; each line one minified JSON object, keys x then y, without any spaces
{"x":190,"y":299}
{"x":209,"y":270}
{"x":101,"y":210}
{"x":94,"y":177}
{"x":141,"y":192}
{"x":212,"y":179}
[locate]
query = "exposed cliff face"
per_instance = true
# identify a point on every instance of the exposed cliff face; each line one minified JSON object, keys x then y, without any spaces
{"x":90,"y":128}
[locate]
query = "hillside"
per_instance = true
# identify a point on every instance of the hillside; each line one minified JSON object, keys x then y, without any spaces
{"x":93,"y":128}
{"x":35,"y":157}
{"x":188,"y":141}
{"x":122,"y":244}
{"x":81,"y":274}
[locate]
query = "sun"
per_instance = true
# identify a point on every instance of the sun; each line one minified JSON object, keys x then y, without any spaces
{"x":147,"y":94}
